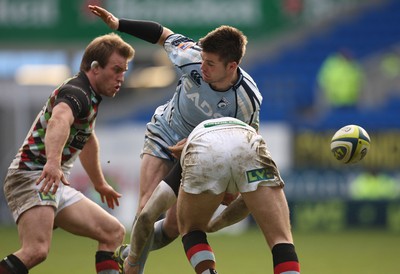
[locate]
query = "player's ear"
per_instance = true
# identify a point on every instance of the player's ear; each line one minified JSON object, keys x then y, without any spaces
{"x":94,"y":64}
{"x":232,"y":66}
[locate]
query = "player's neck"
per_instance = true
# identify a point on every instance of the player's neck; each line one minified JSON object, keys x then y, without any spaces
{"x":226,"y":84}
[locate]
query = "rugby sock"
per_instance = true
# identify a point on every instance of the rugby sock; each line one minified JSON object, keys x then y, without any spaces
{"x":105,"y":263}
{"x":160,"y":238}
{"x":145,"y":253}
{"x":12,"y":265}
{"x":199,"y":252}
{"x":285,"y":259}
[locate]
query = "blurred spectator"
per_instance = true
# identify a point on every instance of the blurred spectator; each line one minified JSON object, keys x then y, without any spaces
{"x":341,"y":80}
{"x":390,"y":70}
{"x":390,"y":65}
{"x":374,"y":185}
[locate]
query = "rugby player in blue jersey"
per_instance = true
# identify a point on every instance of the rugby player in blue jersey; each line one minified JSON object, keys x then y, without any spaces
{"x":212,"y":85}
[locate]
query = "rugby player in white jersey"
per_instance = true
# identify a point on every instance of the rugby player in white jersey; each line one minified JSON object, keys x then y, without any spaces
{"x":212,"y":85}
{"x":226,"y":155}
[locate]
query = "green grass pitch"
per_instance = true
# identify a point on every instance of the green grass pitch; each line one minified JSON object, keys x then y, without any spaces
{"x":355,"y":251}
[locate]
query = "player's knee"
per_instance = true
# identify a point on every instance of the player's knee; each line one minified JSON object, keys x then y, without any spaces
{"x":145,"y":219}
{"x":119,"y":233}
{"x":113,"y":236}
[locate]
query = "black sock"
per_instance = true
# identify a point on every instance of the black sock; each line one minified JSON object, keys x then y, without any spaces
{"x":285,"y":258}
{"x":13,"y":265}
{"x":104,"y":261}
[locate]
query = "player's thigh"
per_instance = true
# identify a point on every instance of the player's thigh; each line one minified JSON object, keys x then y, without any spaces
{"x":152,"y":171}
{"x":269,"y":208}
{"x":195,"y":210}
{"x":35,"y":228}
{"x":86,"y":218}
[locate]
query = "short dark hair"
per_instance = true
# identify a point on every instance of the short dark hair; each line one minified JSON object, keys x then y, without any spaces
{"x":102,"y":47}
{"x":227,"y":42}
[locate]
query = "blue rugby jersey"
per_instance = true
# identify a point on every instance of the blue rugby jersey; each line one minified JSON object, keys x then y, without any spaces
{"x":195,"y":101}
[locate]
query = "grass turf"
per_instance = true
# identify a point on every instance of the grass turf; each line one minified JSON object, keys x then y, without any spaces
{"x":354,"y":251}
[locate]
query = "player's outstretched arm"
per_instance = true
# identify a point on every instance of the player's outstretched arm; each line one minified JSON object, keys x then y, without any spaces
{"x":149,"y":31}
{"x":232,"y":214}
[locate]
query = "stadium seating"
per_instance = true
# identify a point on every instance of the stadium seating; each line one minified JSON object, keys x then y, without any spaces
{"x":288,"y":82}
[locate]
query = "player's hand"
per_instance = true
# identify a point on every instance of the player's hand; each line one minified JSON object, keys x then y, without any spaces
{"x":108,"y":194}
{"x":229,"y":198}
{"x":51,"y":177}
{"x":176,"y":150}
{"x":106,"y":16}
{"x":130,"y":269}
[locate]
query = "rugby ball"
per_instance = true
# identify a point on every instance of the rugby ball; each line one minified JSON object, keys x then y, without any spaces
{"x":350,"y":144}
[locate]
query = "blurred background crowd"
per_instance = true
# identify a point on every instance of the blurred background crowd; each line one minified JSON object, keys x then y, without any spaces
{"x":320,"y":65}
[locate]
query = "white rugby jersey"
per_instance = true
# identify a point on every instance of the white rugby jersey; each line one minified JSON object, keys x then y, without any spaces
{"x":195,"y":101}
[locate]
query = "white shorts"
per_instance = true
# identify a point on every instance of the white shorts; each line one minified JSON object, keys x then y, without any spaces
{"x":230,"y":160}
{"x":22,"y":193}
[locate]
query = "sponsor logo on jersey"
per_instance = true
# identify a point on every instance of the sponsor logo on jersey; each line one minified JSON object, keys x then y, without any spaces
{"x":259,"y":174}
{"x":80,"y":139}
{"x":222,"y":123}
{"x":184,"y":46}
{"x":223,"y":103}
{"x":181,"y":41}
{"x":196,"y":76}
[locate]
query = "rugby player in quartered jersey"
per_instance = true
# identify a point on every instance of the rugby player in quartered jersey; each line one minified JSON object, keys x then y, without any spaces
{"x":37,"y":187}
{"x":84,"y":102}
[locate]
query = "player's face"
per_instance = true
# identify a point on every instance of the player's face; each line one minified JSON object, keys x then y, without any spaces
{"x":215,"y":72}
{"x":110,"y":78}
{"x":212,"y":68}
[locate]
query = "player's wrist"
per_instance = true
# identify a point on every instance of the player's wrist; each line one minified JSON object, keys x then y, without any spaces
{"x":132,"y":261}
{"x":132,"y":264}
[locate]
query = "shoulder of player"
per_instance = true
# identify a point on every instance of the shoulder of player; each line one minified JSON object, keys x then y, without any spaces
{"x":76,"y":92}
{"x":78,"y":85}
{"x":247,"y":85}
{"x":180,"y":41}
{"x":184,"y":47}
{"x":246,"y":78}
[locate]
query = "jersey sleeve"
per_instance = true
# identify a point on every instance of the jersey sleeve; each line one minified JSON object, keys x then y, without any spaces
{"x":76,"y":98}
{"x":182,"y":51}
